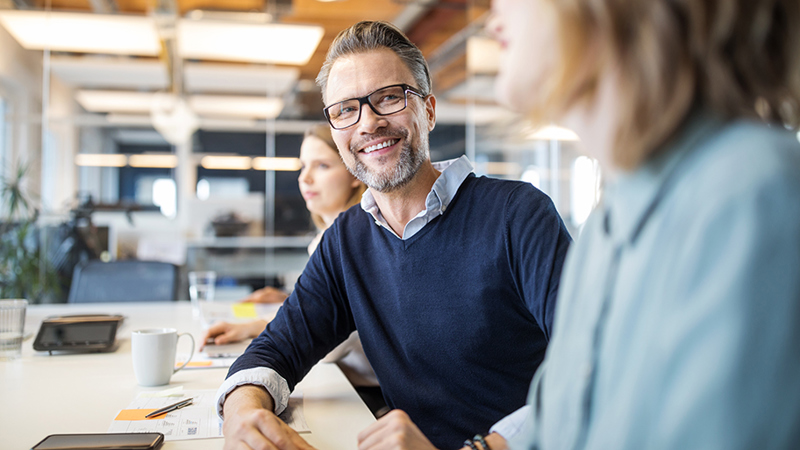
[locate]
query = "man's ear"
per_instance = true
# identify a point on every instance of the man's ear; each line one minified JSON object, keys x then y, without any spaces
{"x":430,"y":110}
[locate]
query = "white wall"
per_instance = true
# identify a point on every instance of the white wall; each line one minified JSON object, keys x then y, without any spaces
{"x":20,"y":84}
{"x":58,"y":168}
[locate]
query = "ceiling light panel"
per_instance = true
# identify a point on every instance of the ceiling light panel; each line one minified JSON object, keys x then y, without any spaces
{"x":553,"y":133}
{"x":226,"y":162}
{"x":100,"y":160}
{"x":239,"y":79}
{"x":237,"y":41}
{"x":100,"y":72}
{"x":82,"y":33}
{"x":104,"y":101}
{"x":115,"y":101}
{"x":278,"y":164}
{"x":153,"y":161}
{"x":483,"y":55}
{"x":236,"y":106}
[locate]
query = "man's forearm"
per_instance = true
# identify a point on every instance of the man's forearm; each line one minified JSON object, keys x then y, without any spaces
{"x":248,"y":395}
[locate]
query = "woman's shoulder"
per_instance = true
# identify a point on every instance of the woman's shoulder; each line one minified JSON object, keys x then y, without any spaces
{"x":746,"y":156}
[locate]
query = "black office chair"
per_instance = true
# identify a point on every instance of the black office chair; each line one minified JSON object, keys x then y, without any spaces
{"x":124,"y":281}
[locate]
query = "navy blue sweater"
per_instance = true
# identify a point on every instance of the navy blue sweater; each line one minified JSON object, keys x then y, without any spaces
{"x":454,"y":320}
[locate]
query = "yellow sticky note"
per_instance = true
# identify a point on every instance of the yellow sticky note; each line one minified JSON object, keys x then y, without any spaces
{"x":136,"y":414}
{"x":199,"y":364}
{"x":244,"y":310}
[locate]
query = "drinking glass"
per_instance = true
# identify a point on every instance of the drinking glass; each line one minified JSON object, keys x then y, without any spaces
{"x":201,"y":288}
{"x":12,"y":326}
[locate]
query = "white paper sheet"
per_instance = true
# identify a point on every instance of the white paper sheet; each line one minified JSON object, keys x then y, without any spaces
{"x":202,"y":361}
{"x":196,"y":421}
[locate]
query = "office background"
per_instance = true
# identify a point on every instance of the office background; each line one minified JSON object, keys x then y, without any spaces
{"x":170,"y":129}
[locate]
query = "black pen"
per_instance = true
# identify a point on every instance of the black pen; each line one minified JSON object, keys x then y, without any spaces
{"x":172,"y":407}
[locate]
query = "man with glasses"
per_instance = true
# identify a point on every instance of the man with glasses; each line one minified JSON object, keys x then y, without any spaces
{"x":450,"y":279}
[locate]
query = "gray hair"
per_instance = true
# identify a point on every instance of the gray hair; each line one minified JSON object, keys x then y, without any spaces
{"x":367,"y":36}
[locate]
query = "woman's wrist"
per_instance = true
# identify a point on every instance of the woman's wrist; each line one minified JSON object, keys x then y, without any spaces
{"x":256,"y":327}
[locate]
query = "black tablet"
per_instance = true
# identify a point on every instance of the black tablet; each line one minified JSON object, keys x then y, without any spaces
{"x":80,"y":333}
{"x":101,"y":441}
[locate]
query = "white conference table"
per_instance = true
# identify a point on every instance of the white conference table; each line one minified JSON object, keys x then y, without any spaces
{"x":42,"y":394}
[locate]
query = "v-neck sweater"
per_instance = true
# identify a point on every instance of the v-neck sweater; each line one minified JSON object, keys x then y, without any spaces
{"x":454,"y":320}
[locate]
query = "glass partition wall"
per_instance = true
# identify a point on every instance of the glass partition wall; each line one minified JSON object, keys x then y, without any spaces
{"x":508,"y":145}
{"x":210,"y":190}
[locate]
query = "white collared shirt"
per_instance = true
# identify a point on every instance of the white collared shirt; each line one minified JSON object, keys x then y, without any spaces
{"x":453,"y":173}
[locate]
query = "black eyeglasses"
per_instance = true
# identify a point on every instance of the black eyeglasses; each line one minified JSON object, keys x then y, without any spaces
{"x":384,"y":101}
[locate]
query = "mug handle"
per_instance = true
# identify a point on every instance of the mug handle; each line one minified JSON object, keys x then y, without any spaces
{"x":190,"y":353}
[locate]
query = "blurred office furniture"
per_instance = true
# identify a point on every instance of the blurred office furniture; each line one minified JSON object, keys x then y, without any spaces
{"x":75,"y":241}
{"x":124,"y":281}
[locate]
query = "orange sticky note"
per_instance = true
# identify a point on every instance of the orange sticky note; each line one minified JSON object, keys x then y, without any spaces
{"x":136,"y":414}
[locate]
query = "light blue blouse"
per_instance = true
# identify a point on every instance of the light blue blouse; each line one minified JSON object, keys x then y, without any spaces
{"x":678,"y":320}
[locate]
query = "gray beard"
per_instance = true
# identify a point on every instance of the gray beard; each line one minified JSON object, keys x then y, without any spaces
{"x":400,"y":175}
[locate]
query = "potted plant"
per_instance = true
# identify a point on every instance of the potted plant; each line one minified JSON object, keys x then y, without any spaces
{"x":24,"y":271}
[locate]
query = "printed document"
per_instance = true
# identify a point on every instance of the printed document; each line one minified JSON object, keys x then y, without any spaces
{"x":196,"y":421}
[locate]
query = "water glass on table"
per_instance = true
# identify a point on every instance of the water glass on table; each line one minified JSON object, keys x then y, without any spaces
{"x":201,"y":288}
{"x":12,"y":326}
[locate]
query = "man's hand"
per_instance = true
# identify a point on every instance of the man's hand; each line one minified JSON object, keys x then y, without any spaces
{"x":395,"y":430}
{"x":225,"y":333}
{"x":250,"y":423}
{"x":267,"y":294}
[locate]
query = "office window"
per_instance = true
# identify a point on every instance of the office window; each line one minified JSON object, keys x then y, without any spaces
{"x":165,"y":196}
{"x":222,"y":187}
{"x":584,"y":188}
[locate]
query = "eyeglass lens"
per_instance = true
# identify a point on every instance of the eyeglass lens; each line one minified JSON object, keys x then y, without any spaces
{"x":388,"y":100}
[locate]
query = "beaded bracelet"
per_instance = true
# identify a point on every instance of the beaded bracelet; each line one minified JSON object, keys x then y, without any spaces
{"x":482,"y":441}
{"x":470,"y":444}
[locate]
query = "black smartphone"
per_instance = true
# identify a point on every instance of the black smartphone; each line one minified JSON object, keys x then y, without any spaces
{"x":102,"y":441}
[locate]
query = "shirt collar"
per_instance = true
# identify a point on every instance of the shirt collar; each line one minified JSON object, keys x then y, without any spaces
{"x":453,"y":173}
{"x":629,"y":201}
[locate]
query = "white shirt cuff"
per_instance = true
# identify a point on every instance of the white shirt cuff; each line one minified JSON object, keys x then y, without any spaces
{"x":260,"y":376}
{"x":510,"y":425}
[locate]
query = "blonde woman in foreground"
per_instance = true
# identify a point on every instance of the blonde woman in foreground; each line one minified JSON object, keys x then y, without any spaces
{"x":678,"y":318}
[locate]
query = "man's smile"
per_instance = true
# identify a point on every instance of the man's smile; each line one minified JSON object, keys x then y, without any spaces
{"x":379,"y":145}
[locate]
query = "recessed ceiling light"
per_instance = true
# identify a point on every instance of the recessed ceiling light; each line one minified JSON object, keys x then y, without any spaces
{"x":239,"y":78}
{"x":279,"y":164}
{"x":100,"y":160}
{"x":236,"y":106}
{"x":153,"y":161}
{"x":82,"y":32}
{"x":238,"y":41}
{"x":553,"y":133}
{"x":102,"y":72}
{"x":226,"y":162}
{"x":256,"y":107}
{"x":115,"y":101}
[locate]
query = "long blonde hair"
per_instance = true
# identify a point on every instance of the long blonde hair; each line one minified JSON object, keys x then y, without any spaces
{"x":734,"y":58}
{"x":323,"y":132}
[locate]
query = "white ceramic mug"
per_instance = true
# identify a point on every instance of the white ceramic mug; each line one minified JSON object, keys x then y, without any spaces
{"x":153,"y":352}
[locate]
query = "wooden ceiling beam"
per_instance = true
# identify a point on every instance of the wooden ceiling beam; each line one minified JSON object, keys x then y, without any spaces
{"x":439,"y":17}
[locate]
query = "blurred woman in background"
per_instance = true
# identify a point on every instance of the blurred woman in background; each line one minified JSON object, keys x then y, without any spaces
{"x":328,"y":189}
